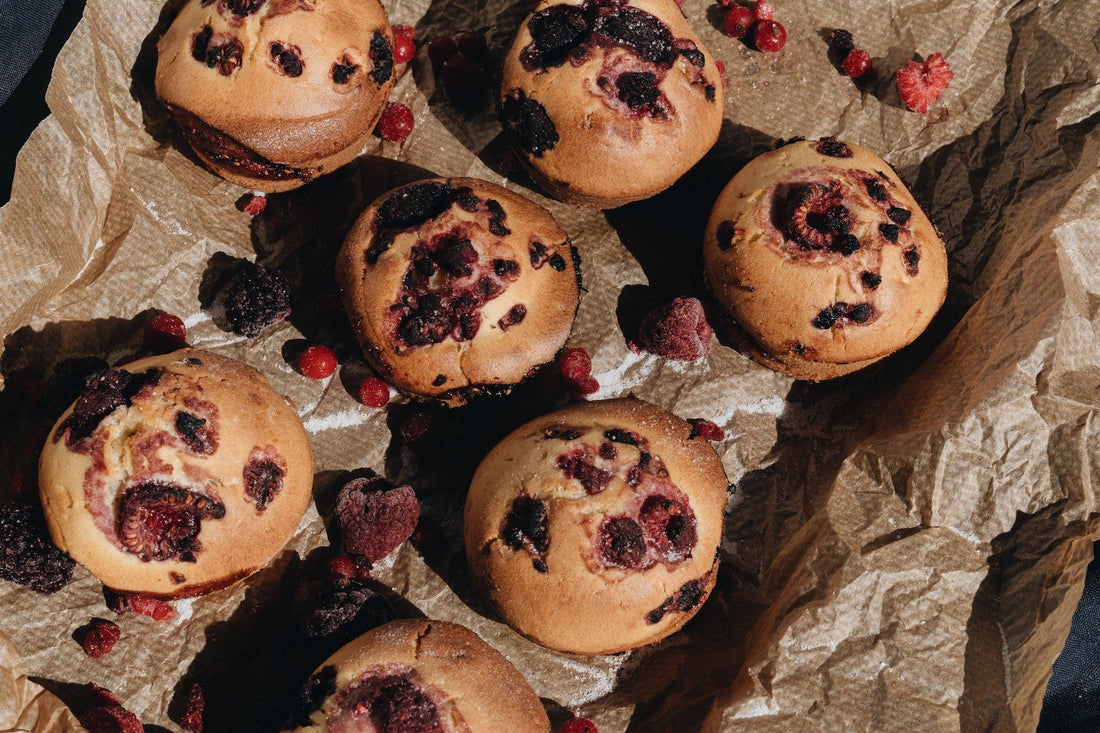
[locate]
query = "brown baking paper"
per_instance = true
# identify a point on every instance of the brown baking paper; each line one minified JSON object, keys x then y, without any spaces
{"x":903,"y":548}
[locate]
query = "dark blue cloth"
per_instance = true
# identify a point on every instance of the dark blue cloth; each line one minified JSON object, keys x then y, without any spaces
{"x":30,"y":40}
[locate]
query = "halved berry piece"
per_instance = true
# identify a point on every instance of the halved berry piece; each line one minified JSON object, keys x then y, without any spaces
{"x":921,"y":84}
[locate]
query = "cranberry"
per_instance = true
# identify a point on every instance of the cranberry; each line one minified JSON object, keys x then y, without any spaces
{"x":100,"y":637}
{"x":396,"y":122}
{"x":738,"y":21}
{"x":373,"y":392}
{"x":763,"y":10}
{"x":164,"y":333}
{"x":707,"y":430}
{"x":253,"y":204}
{"x":317,"y":362}
{"x":440,"y":49}
{"x":769,"y":36}
{"x":375,"y":517}
{"x":857,"y":63}
{"x":473,"y":46}
{"x":575,"y":364}
{"x":192,"y":720}
{"x":578,"y":725}
{"x":404,"y":46}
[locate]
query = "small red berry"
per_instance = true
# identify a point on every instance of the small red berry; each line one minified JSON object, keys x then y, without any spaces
{"x":317,"y":362}
{"x":151,"y":607}
{"x":472,"y":45}
{"x":727,"y":4}
{"x":769,"y":36}
{"x":578,"y":725}
{"x":374,"y":392}
{"x":192,"y":720}
{"x":763,"y":10}
{"x":921,"y":84}
{"x":585,"y":386}
{"x":440,"y":49}
{"x":100,"y":637}
{"x":575,"y":364}
{"x":403,"y":49}
{"x":254,"y":204}
{"x":396,"y":122}
{"x":721,"y":66}
{"x":164,"y":333}
{"x":857,"y":63}
{"x":708,"y":430}
{"x":342,"y":566}
{"x":738,"y":21}
{"x":405,"y":31}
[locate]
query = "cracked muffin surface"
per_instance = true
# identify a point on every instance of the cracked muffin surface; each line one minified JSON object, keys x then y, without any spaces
{"x":595,"y":529}
{"x":175,"y":475}
{"x":823,"y":257}
{"x":418,"y":676}
{"x":458,"y":287}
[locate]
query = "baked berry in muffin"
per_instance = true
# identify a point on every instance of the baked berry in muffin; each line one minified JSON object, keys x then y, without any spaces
{"x":609,"y":102}
{"x":273,"y":93}
{"x":458,"y":287}
{"x":595,"y":529}
{"x":419,"y":676}
{"x":822,"y":256}
{"x":175,"y":475}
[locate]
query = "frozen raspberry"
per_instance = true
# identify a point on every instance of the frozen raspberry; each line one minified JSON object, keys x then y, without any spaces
{"x":164,"y":333}
{"x":473,"y":46}
{"x":857,"y":63}
{"x":342,"y":566}
{"x":678,"y":330}
{"x":921,"y":84}
{"x":396,"y":123}
{"x":404,"y":47}
{"x":440,"y":49}
{"x":253,"y":204}
{"x":373,"y":392}
{"x":769,"y":35}
{"x":586,"y":386}
{"x":763,"y":10}
{"x":27,"y":556}
{"x":317,"y":362}
{"x":578,"y":725}
{"x":258,"y":297}
{"x":738,"y":21}
{"x":375,"y":517}
{"x":100,"y":637}
{"x":842,"y":41}
{"x":111,"y":719}
{"x":192,"y":720}
{"x":575,"y":364}
{"x":708,"y":430}
{"x":346,"y":609}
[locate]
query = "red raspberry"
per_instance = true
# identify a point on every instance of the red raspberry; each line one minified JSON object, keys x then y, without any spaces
{"x":253,"y":204}
{"x":151,"y":607}
{"x":165,"y":333}
{"x":769,"y":36}
{"x":473,"y":46}
{"x":857,"y":63}
{"x":921,"y":84}
{"x":373,"y":392}
{"x":575,"y":364}
{"x":100,"y":637}
{"x":396,"y":122}
{"x":763,"y":10}
{"x":708,"y":430}
{"x":342,"y":566}
{"x":111,"y":719}
{"x":192,"y":720}
{"x":317,"y":362}
{"x":585,"y":386}
{"x":403,"y":49}
{"x":578,"y":725}
{"x":738,"y":21}
{"x":440,"y":49}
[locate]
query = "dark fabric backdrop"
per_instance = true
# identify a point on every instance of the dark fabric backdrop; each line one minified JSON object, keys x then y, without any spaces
{"x":32,"y":33}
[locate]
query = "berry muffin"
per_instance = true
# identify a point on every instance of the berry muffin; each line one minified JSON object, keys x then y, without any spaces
{"x":595,"y":529}
{"x":824,"y":259}
{"x":271,"y":94}
{"x":419,"y":676}
{"x":458,"y":287}
{"x":175,"y":475}
{"x":609,"y":102}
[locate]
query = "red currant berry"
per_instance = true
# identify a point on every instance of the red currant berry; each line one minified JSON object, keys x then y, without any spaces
{"x":164,"y":333}
{"x":857,"y":63}
{"x":440,"y":49}
{"x":769,"y":36}
{"x":373,"y":392}
{"x":403,"y":49}
{"x":405,"y":31}
{"x":575,"y":364}
{"x":396,"y":122}
{"x":472,"y":45}
{"x":578,"y":725}
{"x":763,"y":10}
{"x":738,"y":21}
{"x":317,"y":362}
